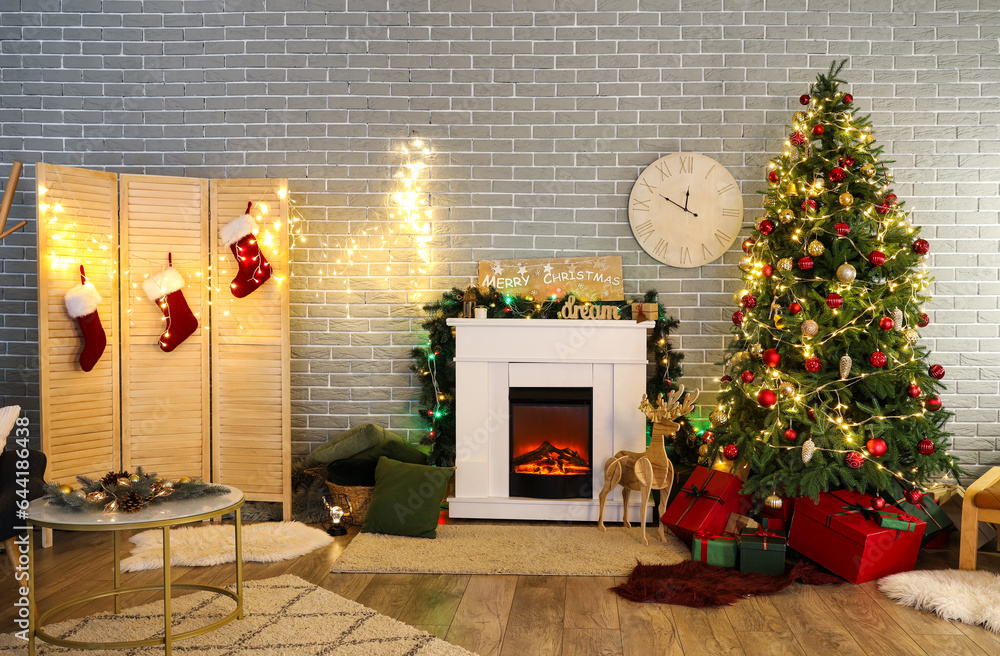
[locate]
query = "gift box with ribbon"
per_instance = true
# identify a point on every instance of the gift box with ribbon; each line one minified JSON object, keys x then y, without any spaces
{"x":894,"y":519}
{"x":928,"y":511}
{"x":737,"y":522}
{"x":681,"y":474}
{"x":842,"y":533}
{"x":714,"y":549}
{"x":645,"y":312}
{"x":762,"y":551}
{"x":703,"y":503}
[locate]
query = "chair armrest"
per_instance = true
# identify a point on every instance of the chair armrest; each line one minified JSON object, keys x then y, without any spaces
{"x":987,"y":480}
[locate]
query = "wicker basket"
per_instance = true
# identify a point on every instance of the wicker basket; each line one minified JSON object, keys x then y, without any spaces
{"x":357,"y":496}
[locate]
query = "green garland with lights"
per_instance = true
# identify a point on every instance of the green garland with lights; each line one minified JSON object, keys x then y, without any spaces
{"x":434,"y":363}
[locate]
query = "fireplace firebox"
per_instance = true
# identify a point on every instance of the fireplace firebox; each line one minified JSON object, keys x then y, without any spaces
{"x":551,"y":441}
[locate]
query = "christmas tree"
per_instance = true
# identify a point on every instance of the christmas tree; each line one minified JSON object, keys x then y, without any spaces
{"x":826,"y":386}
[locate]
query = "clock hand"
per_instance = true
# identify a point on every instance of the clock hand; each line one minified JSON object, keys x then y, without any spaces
{"x":687,"y":194}
{"x":678,"y":205}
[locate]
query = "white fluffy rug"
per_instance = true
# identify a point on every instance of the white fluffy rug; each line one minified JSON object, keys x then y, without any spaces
{"x":969,"y":597}
{"x":215,"y":544}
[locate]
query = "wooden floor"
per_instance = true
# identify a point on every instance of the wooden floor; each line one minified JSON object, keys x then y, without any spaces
{"x":559,"y":615}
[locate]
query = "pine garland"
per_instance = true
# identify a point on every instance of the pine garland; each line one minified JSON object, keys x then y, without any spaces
{"x":127,"y":492}
{"x":434,"y":363}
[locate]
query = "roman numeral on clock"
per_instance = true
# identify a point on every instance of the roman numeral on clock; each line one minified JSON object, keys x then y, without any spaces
{"x":661,"y":248}
{"x":706,"y":253}
{"x":728,"y":187}
{"x":647,"y":186}
{"x":664,"y":170}
{"x":687,"y":164}
{"x":644,"y":230}
{"x":730,"y":211}
{"x":723,"y":239}
{"x":685,"y":255}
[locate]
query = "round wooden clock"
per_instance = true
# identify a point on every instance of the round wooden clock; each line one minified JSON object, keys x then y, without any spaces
{"x":685,"y":210}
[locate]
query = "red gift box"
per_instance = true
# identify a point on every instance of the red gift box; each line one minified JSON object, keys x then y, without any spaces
{"x":784,"y":513}
{"x":704,"y":503}
{"x":842,"y":533}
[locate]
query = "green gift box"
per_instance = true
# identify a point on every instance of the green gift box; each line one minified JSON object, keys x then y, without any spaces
{"x":714,"y":549}
{"x":928,"y":511}
{"x":762,"y":551}
{"x":897,"y":520}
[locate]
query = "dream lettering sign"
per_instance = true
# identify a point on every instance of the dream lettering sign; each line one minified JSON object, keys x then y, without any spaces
{"x":587,"y":278}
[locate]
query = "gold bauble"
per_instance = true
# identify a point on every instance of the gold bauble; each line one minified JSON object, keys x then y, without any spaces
{"x":738,"y":296}
{"x":168,"y":484}
{"x":786,"y":215}
{"x":768,"y":202}
{"x":846,"y":273}
{"x":124,"y":482}
{"x":911,"y":336}
{"x":799,"y":117}
{"x":97,"y":496}
{"x":773,"y":501}
{"x":65,"y":488}
{"x":135,"y":478}
{"x":785,"y":264}
{"x":183,"y":479}
{"x":756,"y":350}
{"x":703,"y":450}
{"x":868,"y":169}
{"x":816,"y":248}
{"x":779,"y":322}
{"x":718,"y":417}
{"x":746,"y":262}
{"x":786,"y":389}
{"x":810,"y":328}
{"x":846,"y":199}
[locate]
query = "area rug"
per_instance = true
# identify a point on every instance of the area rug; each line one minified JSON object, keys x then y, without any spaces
{"x":283,"y":615}
{"x":511,"y":549}
{"x":215,"y":544}
{"x":969,"y":597}
{"x":693,"y":583}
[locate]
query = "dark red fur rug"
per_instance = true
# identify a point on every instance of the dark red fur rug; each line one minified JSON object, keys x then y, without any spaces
{"x":693,"y":583}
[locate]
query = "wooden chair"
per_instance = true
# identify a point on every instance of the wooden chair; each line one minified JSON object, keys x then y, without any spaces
{"x":981,"y":504}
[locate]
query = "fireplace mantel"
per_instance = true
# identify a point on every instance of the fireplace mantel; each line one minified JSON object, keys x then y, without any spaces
{"x":493,"y":355}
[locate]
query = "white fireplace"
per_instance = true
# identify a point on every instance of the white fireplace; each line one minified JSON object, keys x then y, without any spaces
{"x":495,"y":355}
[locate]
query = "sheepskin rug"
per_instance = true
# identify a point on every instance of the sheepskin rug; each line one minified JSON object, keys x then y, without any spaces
{"x":215,"y":544}
{"x":969,"y":597}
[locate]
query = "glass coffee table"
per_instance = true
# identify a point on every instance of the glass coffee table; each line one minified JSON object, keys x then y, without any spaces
{"x":162,"y":515}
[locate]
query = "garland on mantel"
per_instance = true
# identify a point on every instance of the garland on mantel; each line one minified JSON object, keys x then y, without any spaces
{"x":435,"y":362}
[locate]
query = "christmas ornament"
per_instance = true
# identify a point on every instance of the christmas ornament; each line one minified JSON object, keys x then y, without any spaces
{"x":897,"y":317}
{"x":921,"y":246}
{"x":913,"y":390}
{"x":773,"y":176}
{"x":773,"y":501}
{"x":846,"y":273}
{"x":812,"y":364}
{"x":923,"y":320}
{"x":785,"y":264}
{"x":877,"y":258}
{"x":933,"y":403}
{"x":746,"y":263}
{"x":769,"y":202}
{"x":811,"y":413}
{"x":914,"y":496}
{"x":767,"y":397}
{"x":890,"y":199}
{"x":882,"y":208}
{"x":730,"y":451}
{"x":130,"y":502}
{"x":886,"y":323}
{"x":877,"y":447}
{"x":878,"y":359}
{"x":911,"y":336}
{"x":804,"y":99}
{"x":791,"y":435}
{"x":786,"y":215}
{"x":936,"y":371}
{"x":837,"y":174}
{"x":767,"y":270}
{"x":794,"y":308}
{"x":786,"y":389}
{"x":766,"y":227}
{"x":718,"y":417}
{"x":817,"y":129}
{"x":81,"y":304}
{"x":816,"y":248}
{"x":791,"y":189}
{"x":808,"y":205}
{"x":834,"y":300}
{"x":703,"y":450}
{"x":877,"y":503}
{"x":183,"y":479}
{"x":810,"y":328}
{"x":708,"y":438}
{"x":164,"y":289}
{"x":845,"y":366}
{"x":96,"y":496}
{"x":854,"y":460}
{"x":808,"y":448}
{"x":756,"y":350}
{"x":134,"y":478}
{"x":848,"y":98}
{"x":799,"y":117}
{"x":797,"y":138}
{"x":747,"y":245}
{"x":845,"y":199}
{"x":726,"y":379}
{"x":747,"y":376}
{"x":805,"y":263}
{"x":749,"y":301}
{"x":738,"y":318}
{"x":771,"y":357}
{"x":65,"y":488}
{"x":738,"y":296}
{"x":868,"y":169}
{"x":925,"y":447}
{"x":842,"y":229}
{"x":779,"y":322}
{"x":254,"y":270}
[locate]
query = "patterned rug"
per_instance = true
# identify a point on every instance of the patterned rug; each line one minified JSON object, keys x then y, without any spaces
{"x":283,"y":615}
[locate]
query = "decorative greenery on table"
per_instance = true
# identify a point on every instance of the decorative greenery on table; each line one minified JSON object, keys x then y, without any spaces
{"x":127,"y":492}
{"x":434,"y":363}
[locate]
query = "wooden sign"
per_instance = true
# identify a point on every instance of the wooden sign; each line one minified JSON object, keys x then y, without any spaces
{"x":587,"y":278}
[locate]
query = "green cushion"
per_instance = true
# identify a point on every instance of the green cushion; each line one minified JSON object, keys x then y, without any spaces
{"x":394,"y":450}
{"x":349,"y":443}
{"x":406,"y":499}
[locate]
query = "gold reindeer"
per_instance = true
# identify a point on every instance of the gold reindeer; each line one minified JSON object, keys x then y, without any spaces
{"x":650,"y":469}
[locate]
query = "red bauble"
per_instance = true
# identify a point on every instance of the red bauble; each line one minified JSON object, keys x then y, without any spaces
{"x":848,"y":98}
{"x":794,"y":308}
{"x":738,"y":318}
{"x":882,"y":209}
{"x":797,"y":138}
{"x":812,"y":364}
{"x":837,"y":174}
{"x":707,"y":439}
{"x":913,"y":390}
{"x":886,"y":323}
{"x":877,"y":447}
{"x":878,"y":359}
{"x":811,"y":413}
{"x":843,"y":229}
{"x":914,"y":496}
{"x":808,"y":205}
{"x":854,"y":460}
{"x":806,"y":263}
{"x":767,"y":271}
{"x":847,"y":161}
{"x":804,"y":99}
{"x":766,"y":227}
{"x":921,"y":246}
{"x":747,"y":377}
{"x":791,"y":435}
{"x":749,"y":301}
{"x":766,"y":397}
{"x":878,"y":503}
{"x":925,"y":447}
{"x":730,"y":451}
{"x":834,"y":300}
{"x":817,"y":129}
{"x":726,"y":379}
{"x":748,"y":244}
{"x":923,"y":320}
{"x":936,"y":370}
{"x":771,"y":357}
{"x":890,"y":199}
{"x":773,"y":176}
{"x":877,"y":258}
{"x":933,"y":403}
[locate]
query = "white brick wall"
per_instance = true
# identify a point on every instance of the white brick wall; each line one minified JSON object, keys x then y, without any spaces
{"x":541,"y":113}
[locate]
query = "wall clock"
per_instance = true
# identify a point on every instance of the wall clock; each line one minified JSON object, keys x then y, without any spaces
{"x":685,"y":210}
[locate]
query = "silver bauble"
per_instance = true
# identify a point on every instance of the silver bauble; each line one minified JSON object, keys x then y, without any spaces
{"x":773,"y":501}
{"x":810,"y":328}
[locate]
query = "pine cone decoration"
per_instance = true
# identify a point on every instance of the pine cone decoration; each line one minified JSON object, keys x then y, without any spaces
{"x":845,"y":366}
{"x":807,"y":450}
{"x":111,"y":478}
{"x":130,"y":502}
{"x":897,"y":318}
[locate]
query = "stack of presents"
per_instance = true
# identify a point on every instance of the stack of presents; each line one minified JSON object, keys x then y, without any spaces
{"x":841,"y":532}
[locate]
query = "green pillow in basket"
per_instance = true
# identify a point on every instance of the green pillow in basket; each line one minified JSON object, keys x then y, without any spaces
{"x":406,"y":499}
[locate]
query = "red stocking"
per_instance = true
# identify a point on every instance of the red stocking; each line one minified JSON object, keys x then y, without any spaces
{"x":254,"y":269}
{"x":164,"y":289}
{"x":81,"y":303}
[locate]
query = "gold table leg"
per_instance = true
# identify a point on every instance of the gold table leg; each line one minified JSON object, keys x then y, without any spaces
{"x":32,"y":621}
{"x":118,"y":571}
{"x":167,"y":642}
{"x":239,"y":566}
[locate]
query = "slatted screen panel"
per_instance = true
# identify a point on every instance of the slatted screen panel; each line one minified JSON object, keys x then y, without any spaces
{"x":165,"y":396}
{"x":77,"y":224}
{"x":251,"y":432}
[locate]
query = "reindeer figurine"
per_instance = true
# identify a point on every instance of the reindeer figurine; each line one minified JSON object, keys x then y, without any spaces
{"x":650,"y":469}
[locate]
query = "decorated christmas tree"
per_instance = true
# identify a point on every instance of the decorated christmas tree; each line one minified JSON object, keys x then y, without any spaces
{"x":826,"y":385}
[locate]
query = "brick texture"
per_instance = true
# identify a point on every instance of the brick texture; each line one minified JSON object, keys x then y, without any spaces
{"x":540,"y":114}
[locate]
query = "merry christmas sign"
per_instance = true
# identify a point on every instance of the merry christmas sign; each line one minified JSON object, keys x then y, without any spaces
{"x":587,"y":278}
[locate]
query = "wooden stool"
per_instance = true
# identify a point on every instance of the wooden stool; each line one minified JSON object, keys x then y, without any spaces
{"x":981,"y":504}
